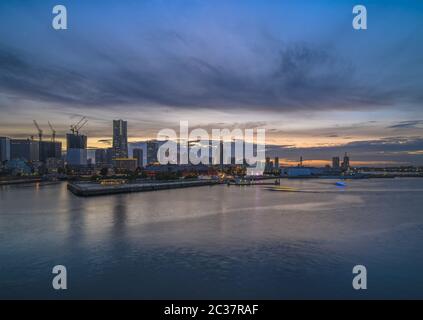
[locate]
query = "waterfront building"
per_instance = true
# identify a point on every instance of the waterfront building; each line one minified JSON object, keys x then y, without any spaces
{"x":152,"y":150}
{"x":100,"y":157}
{"x":50,"y":149}
{"x":4,"y":149}
{"x":221,"y":160}
{"x":335,"y":163}
{"x":346,"y":162}
{"x":139,"y":155}
{"x":76,"y":152}
{"x":302,"y":171}
{"x":120,"y":139}
{"x":268,"y":167}
{"x":76,"y":141}
{"x":277,"y":163}
{"x":24,"y":149}
{"x":128,"y":164}
{"x":76,"y":157}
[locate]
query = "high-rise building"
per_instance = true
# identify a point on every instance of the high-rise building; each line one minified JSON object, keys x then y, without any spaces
{"x":76,"y":141}
{"x":277,"y":163}
{"x":76,"y":157}
{"x":120,"y":139}
{"x":76,"y":149}
{"x":152,"y":150}
{"x":268,"y":167}
{"x":335,"y":163}
{"x":49,"y":149}
{"x":24,"y":149}
{"x":221,"y":153}
{"x":4,"y":149}
{"x":139,"y":155}
{"x":346,"y":162}
{"x":109,"y":156}
{"x":100,"y":157}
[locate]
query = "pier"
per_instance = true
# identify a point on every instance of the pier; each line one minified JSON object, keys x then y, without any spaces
{"x":89,"y":189}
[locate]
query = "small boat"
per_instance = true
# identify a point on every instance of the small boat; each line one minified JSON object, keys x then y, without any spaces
{"x":283,"y":189}
{"x":341,"y":184}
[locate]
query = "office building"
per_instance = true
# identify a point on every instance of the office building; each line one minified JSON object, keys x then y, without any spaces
{"x":76,"y":141}
{"x":24,"y":149}
{"x":221,"y":152}
{"x":109,"y":156}
{"x":50,"y":150}
{"x":76,"y":152}
{"x":120,"y":139}
{"x":76,"y":157}
{"x":100,"y":157}
{"x":268,"y":167}
{"x":125,"y":164}
{"x":4,"y":149}
{"x":152,"y":150}
{"x":335,"y":163}
{"x":139,"y":155}
{"x":277,"y":163}
{"x":346,"y":162}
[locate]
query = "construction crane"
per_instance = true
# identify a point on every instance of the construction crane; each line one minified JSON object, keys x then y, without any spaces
{"x":53,"y":132}
{"x":80,"y":126}
{"x":74,"y":128}
{"x":40,"y":132}
{"x":77,"y":126}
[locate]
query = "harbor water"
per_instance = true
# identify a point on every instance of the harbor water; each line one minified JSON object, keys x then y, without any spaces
{"x":223,"y":242}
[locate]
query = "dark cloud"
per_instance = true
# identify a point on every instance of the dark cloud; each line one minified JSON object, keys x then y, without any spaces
{"x":105,"y":141}
{"x":407,"y":124}
{"x":297,"y":77}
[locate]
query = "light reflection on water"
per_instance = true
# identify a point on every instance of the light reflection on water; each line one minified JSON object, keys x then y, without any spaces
{"x":215,"y":242}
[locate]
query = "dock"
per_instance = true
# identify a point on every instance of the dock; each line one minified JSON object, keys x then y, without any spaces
{"x":89,"y":189}
{"x":253,"y":183}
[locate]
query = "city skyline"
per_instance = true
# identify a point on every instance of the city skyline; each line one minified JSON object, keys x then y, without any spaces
{"x":319,"y":87}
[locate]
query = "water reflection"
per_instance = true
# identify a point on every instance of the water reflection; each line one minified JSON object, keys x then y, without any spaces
{"x":214,"y":242}
{"x":119,"y":216}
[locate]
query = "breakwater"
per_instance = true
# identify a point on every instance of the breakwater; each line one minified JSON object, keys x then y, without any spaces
{"x":87,"y":189}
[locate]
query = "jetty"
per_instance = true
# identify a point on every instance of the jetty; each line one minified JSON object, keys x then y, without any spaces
{"x":251,"y":182}
{"x":89,"y":189}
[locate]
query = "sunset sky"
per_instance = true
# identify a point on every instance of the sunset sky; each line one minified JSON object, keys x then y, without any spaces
{"x":296,"y":68}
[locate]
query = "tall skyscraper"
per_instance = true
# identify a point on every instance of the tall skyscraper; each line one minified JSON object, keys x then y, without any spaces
{"x":221,"y":153}
{"x":346,"y":162}
{"x":268,"y":167}
{"x":120,"y":139}
{"x":276,"y":162}
{"x":76,"y":149}
{"x":152,"y":150}
{"x":109,"y":156}
{"x":139,"y":155}
{"x":4,"y":149}
{"x":335,"y":162}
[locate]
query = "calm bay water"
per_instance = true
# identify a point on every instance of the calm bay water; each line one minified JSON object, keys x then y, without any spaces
{"x":215,"y":242}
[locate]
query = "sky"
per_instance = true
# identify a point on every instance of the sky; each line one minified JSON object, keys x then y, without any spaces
{"x":296,"y":68}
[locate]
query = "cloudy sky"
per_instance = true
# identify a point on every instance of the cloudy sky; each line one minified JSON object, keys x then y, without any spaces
{"x":296,"y":68}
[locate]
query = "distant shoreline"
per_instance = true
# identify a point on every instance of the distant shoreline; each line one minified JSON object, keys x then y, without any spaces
{"x":7,"y":182}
